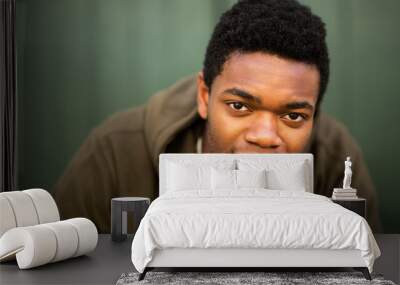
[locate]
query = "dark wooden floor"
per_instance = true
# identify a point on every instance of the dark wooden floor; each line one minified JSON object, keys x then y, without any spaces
{"x":106,"y":264}
{"x":389,"y":262}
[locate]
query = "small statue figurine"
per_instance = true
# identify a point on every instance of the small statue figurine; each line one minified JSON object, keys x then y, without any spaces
{"x":347,"y":192}
{"x":347,"y":174}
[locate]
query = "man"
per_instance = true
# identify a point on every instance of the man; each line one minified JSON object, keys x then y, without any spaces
{"x":264,"y":76}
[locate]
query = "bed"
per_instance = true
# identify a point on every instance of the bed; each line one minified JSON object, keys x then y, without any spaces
{"x":247,"y":211}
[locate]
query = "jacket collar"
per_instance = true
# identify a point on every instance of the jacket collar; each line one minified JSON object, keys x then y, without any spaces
{"x":168,"y":112}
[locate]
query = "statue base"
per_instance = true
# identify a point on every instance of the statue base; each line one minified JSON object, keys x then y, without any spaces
{"x":347,"y":190}
{"x":344,"y":193}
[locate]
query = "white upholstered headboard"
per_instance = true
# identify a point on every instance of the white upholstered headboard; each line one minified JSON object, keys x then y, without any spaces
{"x":211,"y":158}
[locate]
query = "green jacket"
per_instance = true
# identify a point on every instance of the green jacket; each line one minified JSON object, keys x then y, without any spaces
{"x":120,"y":157}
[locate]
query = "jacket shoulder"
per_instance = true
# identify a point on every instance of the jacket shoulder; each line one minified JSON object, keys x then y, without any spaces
{"x":333,"y":138}
{"x":123,"y":122}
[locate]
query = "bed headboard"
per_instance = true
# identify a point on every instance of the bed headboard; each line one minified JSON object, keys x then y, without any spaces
{"x":212,"y":158}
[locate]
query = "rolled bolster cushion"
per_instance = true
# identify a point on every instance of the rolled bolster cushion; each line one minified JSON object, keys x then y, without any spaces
{"x":87,"y":235}
{"x":40,"y":244}
{"x":67,"y":240}
{"x":26,"y":208}
{"x":7,"y":218}
{"x":33,"y":246}
{"x":46,"y":207}
{"x":23,"y":208}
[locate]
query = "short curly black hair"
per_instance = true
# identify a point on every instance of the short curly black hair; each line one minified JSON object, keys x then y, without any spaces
{"x":281,"y":27}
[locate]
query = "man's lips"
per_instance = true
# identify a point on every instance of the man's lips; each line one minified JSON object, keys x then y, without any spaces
{"x":259,"y":150}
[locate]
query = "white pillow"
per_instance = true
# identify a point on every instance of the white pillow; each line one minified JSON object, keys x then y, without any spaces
{"x":187,"y":177}
{"x":281,"y":174}
{"x":292,"y":178}
{"x":228,"y":179}
{"x":186,"y":174}
{"x":251,"y":178}
{"x":223,"y":179}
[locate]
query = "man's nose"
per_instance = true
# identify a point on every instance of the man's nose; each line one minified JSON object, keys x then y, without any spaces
{"x":264,"y":131}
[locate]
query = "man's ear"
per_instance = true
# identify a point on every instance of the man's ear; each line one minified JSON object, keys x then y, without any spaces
{"x":202,"y":96}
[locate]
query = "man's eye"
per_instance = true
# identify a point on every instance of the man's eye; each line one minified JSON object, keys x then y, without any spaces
{"x":237,"y":106}
{"x":294,"y":117}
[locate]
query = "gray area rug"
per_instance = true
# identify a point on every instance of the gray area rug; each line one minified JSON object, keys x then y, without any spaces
{"x":226,"y":278}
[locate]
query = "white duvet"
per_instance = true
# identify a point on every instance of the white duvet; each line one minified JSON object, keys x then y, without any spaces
{"x":250,"y":219}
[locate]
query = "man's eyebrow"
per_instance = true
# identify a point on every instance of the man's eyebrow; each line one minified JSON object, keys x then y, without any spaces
{"x":299,"y":105}
{"x":246,"y":95}
{"x":243,"y":94}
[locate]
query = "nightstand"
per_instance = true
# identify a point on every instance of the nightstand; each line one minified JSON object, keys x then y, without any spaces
{"x":119,"y":210}
{"x":358,"y":205}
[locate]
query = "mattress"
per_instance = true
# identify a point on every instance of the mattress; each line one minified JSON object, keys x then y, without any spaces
{"x":250,"y":218}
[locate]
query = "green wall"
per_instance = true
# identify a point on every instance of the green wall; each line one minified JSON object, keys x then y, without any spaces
{"x":82,"y":60}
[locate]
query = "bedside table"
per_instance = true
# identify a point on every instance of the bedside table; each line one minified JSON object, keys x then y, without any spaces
{"x":119,"y":211}
{"x":358,"y":205}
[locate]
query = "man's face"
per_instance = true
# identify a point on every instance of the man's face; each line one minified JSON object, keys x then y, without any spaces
{"x":260,"y":103}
